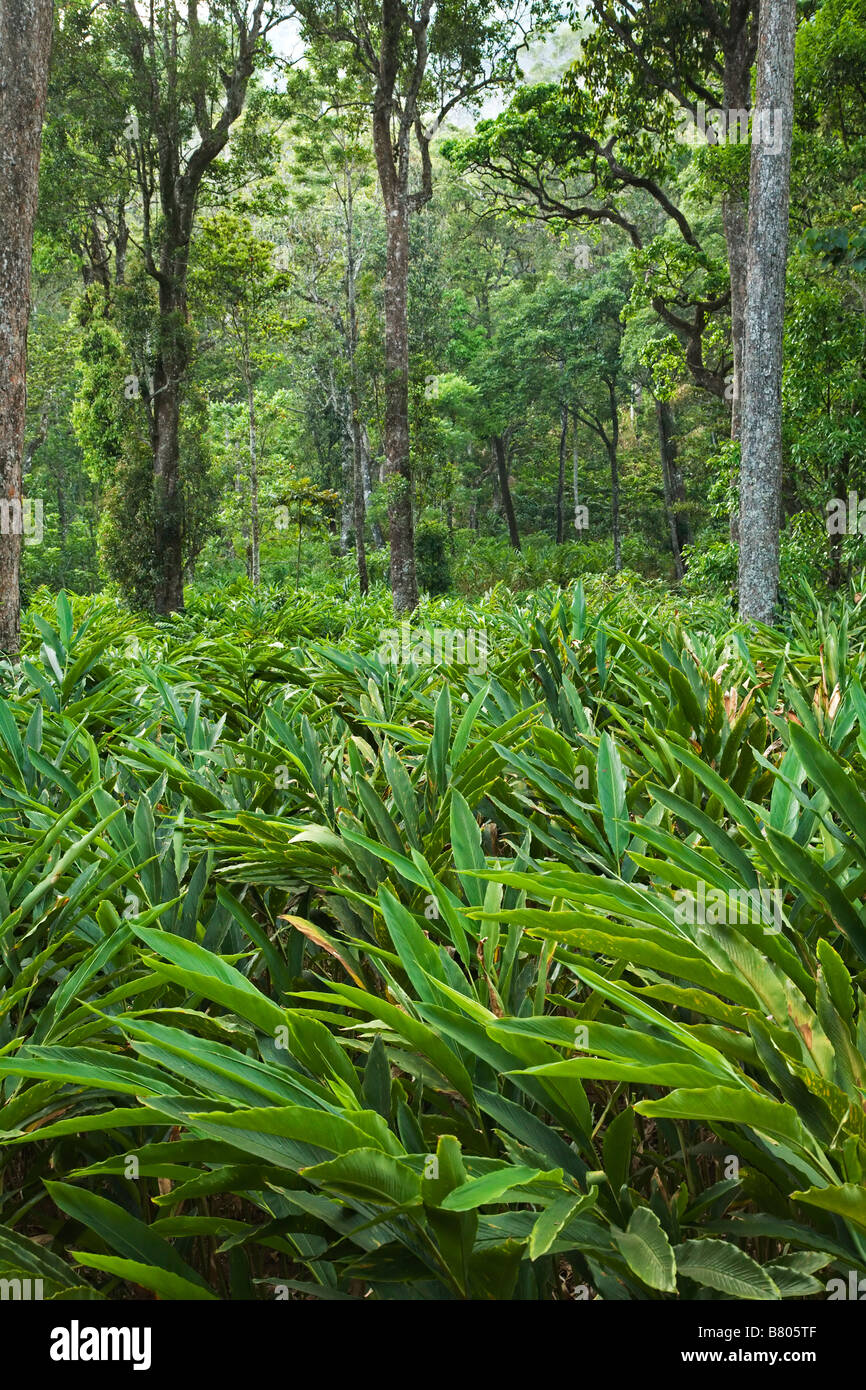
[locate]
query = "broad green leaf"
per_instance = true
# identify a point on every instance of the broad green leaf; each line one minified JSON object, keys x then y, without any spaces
{"x":124,"y":1233}
{"x":718,"y":1265}
{"x":647,"y":1250}
{"x":497,"y":1187}
{"x":161,"y":1281}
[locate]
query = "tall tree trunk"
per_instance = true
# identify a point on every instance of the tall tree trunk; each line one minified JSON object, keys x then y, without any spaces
{"x":612,"y":448}
{"x":401,"y":527}
{"x":674,"y":490}
{"x":25,"y":49}
{"x":769,"y":191}
{"x":560,"y":482}
{"x":169,"y":369}
{"x":500,"y":455}
{"x":173,"y":100}
{"x":358,"y":500}
{"x":394,"y":120}
{"x":255,"y":548}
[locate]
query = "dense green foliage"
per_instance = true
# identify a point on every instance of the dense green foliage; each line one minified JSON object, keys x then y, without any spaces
{"x":548,"y":287}
{"x":512,"y":947}
{"x":325,"y":974}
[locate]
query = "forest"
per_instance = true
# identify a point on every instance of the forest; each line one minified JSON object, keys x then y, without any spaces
{"x":432,"y":651}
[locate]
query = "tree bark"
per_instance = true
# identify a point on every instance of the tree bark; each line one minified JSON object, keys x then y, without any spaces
{"x":575,"y":476}
{"x":674,"y":489}
{"x":169,"y":370}
{"x":769,"y":192}
{"x":401,"y":527}
{"x":25,"y":49}
{"x":358,"y":504}
{"x":612,"y":448}
{"x":500,"y":455}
